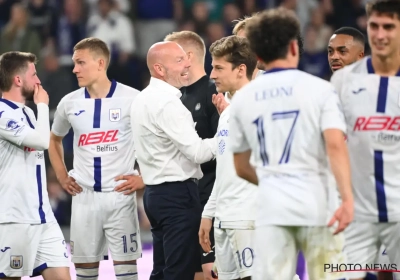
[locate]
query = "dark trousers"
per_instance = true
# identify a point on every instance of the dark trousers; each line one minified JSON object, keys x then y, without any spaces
{"x":174,"y":212}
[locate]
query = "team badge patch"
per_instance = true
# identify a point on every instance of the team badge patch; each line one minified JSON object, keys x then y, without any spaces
{"x":16,"y":262}
{"x":12,"y":125}
{"x":115,"y":115}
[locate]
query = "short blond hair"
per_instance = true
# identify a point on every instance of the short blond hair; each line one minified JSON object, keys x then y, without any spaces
{"x":94,"y":45}
{"x":188,"y":38}
{"x":240,"y":24}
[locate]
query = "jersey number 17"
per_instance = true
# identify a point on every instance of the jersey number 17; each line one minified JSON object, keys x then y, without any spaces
{"x":259,"y":122}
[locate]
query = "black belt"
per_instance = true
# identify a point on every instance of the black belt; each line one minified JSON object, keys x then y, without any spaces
{"x":196,"y":181}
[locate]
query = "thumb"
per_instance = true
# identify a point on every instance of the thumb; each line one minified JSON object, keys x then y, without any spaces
{"x":332,"y":221}
{"x":36,"y":89}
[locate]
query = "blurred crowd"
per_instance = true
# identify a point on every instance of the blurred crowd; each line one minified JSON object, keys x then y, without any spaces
{"x":50,"y":29}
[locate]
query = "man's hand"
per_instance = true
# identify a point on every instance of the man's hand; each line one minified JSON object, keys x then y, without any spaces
{"x":70,"y":186}
{"x":219,"y":102}
{"x":344,"y":215}
{"x":40,"y":95}
{"x":204,"y":234}
{"x":132,"y":183}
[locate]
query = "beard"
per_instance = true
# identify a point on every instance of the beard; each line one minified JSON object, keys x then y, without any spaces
{"x":27,"y":93}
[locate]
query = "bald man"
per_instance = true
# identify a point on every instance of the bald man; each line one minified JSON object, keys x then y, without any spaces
{"x":197,"y":98}
{"x":169,"y":152}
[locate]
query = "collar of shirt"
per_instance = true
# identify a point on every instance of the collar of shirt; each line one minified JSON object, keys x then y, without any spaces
{"x":160,"y":84}
{"x":227,"y":97}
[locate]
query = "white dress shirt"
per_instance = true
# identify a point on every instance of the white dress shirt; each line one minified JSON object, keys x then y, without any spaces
{"x":168,"y":148}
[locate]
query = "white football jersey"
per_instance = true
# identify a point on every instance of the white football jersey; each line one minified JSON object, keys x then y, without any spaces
{"x":235,"y":198}
{"x":281,"y":116}
{"x":23,"y":185}
{"x":103,"y":143}
{"x":371,"y":105}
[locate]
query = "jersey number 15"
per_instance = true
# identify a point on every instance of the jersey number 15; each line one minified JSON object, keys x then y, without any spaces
{"x":259,"y":122}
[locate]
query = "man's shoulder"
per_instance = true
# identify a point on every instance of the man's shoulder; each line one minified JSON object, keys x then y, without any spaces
{"x":8,"y":112}
{"x":72,"y":96}
{"x":125,"y":92}
{"x":314,"y":83}
{"x":358,"y":68}
{"x":9,"y":109}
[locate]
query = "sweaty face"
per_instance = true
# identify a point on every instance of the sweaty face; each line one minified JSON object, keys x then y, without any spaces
{"x":176,"y":68}
{"x":29,"y":80}
{"x":384,"y":34}
{"x":86,"y":67}
{"x":342,"y":51}
{"x":224,"y":76}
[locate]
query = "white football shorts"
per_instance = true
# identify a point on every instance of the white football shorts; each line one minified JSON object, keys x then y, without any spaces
{"x":234,"y":253}
{"x":278,"y":246}
{"x":104,"y":219}
{"x":26,"y":250}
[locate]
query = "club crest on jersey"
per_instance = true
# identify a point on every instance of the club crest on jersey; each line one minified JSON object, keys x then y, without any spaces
{"x":115,"y":115}
{"x":16,"y":262}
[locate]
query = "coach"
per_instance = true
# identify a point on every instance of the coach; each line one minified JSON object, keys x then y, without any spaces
{"x":197,"y":98}
{"x":169,"y":153}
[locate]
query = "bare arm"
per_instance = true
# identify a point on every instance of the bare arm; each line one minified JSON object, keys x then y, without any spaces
{"x":243,"y":167}
{"x":338,"y":156}
{"x":56,"y":154}
{"x":333,"y":128}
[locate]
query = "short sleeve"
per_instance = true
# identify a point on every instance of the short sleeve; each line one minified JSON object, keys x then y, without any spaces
{"x":238,"y":139}
{"x":13,"y":130}
{"x":332,"y":116}
{"x":61,"y":125}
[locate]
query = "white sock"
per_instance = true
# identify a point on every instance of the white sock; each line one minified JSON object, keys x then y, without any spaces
{"x":91,"y":273}
{"x":126,"y":271}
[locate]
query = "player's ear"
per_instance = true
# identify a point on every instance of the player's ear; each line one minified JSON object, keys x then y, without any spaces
{"x":158,"y":68}
{"x":190,"y":56}
{"x":102,"y":64}
{"x":242,"y":70}
{"x":18,"y":80}
{"x":294,"y":48}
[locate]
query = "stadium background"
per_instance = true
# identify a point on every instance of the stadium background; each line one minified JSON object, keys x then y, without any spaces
{"x":50,"y":29}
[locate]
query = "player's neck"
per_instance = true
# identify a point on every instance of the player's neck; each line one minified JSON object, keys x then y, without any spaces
{"x":388,"y":66}
{"x":99,"y":89}
{"x":255,"y":73}
{"x":196,"y":73}
{"x":241,"y":84}
{"x":13,"y":96}
{"x":281,"y":63}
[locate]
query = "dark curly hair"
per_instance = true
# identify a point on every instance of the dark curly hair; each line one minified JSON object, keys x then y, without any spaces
{"x":271,"y":32}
